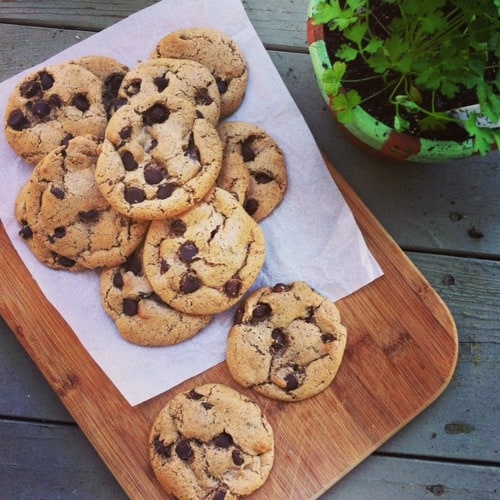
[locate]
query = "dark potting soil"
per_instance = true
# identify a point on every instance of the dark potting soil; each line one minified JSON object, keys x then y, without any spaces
{"x":378,"y":105}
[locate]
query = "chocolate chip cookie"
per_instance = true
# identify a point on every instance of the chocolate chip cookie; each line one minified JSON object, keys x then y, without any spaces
{"x":219,"y":53}
{"x":110,"y":72}
{"x":178,"y":77}
{"x":246,"y":144}
{"x":158,"y":158}
{"x":287,"y":342}
{"x":51,"y":105}
{"x":69,"y":213}
{"x":211,"y":442}
{"x":140,"y":315}
{"x":35,"y":242}
{"x":204,"y":260}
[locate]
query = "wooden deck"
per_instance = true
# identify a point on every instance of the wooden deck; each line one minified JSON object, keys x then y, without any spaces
{"x":445,"y":217}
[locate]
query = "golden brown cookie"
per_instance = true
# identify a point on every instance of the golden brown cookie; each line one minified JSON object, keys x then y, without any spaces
{"x":67,"y":210}
{"x":211,"y":442}
{"x":158,"y":159}
{"x":140,"y":315}
{"x":178,"y":77}
{"x":249,"y":146}
{"x":219,"y":53}
{"x":50,"y":106}
{"x":35,"y":242}
{"x":204,"y":260}
{"x":287,"y":342}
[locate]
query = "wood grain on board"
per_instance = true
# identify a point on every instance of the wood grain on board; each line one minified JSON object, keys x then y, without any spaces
{"x":401,"y":353}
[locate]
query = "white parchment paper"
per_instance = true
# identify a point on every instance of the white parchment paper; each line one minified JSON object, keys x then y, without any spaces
{"x":311,"y":236}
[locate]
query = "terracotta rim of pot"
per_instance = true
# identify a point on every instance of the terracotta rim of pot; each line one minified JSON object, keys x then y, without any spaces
{"x":370,"y":133}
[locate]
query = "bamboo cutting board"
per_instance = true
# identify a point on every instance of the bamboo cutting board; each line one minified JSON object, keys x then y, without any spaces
{"x":401,"y":353}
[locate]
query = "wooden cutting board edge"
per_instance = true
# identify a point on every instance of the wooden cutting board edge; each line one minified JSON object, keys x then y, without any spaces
{"x":27,"y":312}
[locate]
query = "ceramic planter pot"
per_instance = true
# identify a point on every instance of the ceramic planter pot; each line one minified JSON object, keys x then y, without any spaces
{"x":369,"y":133}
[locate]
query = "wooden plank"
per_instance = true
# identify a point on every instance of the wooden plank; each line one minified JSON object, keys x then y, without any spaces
{"x":380,"y":478}
{"x":391,"y":371}
{"x":278,"y":23}
{"x":62,"y":464}
{"x":462,"y":431}
{"x":51,"y":461}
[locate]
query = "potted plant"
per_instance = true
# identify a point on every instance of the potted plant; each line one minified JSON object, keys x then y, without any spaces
{"x":411,"y":79}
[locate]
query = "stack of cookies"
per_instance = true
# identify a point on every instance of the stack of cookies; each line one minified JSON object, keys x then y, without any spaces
{"x":140,"y":174}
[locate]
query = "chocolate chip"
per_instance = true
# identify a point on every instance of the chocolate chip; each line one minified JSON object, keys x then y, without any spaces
{"x":59,"y":232}
{"x":81,"y":102}
{"x":192,"y":394}
{"x":152,"y":145}
{"x":134,"y":195}
{"x":188,"y":251}
{"x":165,"y":191}
{"x":118,"y":280}
{"x":261,"y":311}
{"x":291,"y":382}
{"x":125,"y":132}
{"x":221,"y":85}
{"x":128,"y":161}
{"x":153,"y":175}
{"x":178,"y":227}
{"x":238,"y":316}
{"x":164,"y":266}
{"x":310,"y":315}
{"x":237,"y":458}
{"x":46,"y":80}
{"x":118,"y":103}
{"x":133,"y":87}
{"x":17,"y":120}
{"x":220,"y":494}
{"x":130,"y":307}
{"x":66,"y":139}
{"x":190,"y":284}
{"x":326,"y":338}
{"x":88,"y":216}
{"x":280,"y":343}
{"x":134,"y":264}
{"x":223,"y":440}
{"x":57,"y":192}
{"x":55,"y":100}
{"x":184,"y":450}
{"x":113,"y":82}
{"x":199,"y":114}
{"x":192,"y":151}
{"x":202,"y":97}
{"x":26,"y":232}
{"x":251,"y":206}
{"x":157,"y":113}
{"x":280,"y":287}
{"x":262,"y":178}
{"x":246,"y":149}
{"x":161,"y":83}
{"x":65,"y":261}
{"x":207,"y":406}
{"x":162,"y":449}
{"x":30,"y":89}
{"x":233,"y":287}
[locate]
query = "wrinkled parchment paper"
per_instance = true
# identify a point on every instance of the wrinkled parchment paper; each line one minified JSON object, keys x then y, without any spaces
{"x":311,"y":236}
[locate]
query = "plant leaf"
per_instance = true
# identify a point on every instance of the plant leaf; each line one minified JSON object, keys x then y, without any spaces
{"x":346,"y":53}
{"x":332,"y":78}
{"x":484,"y":138}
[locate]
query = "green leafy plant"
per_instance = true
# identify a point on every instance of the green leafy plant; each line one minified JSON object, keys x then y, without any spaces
{"x":436,"y":48}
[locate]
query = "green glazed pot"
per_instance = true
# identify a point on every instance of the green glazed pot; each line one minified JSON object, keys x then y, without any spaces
{"x":371,"y":134}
